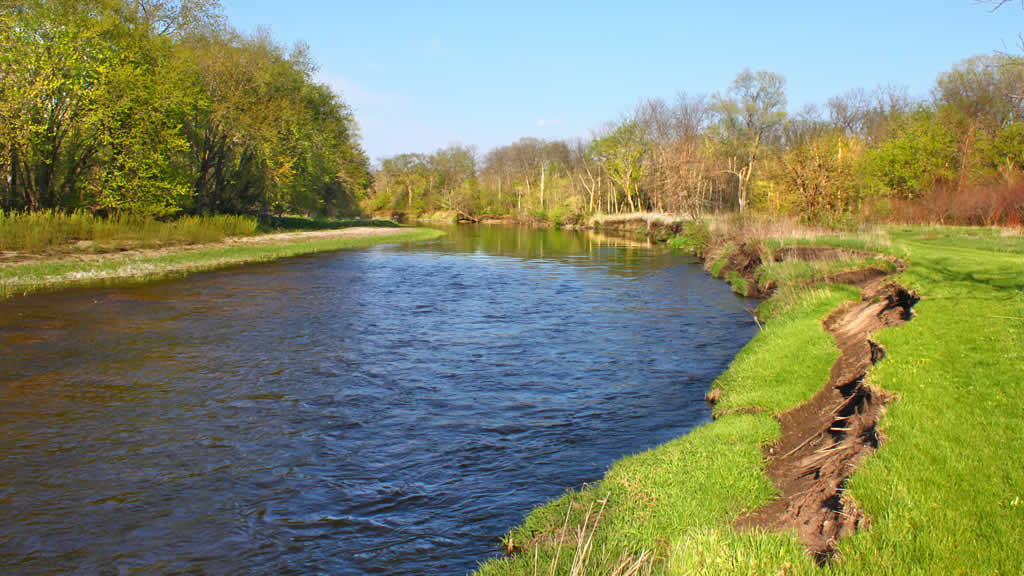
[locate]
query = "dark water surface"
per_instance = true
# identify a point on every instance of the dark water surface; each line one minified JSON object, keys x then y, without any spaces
{"x":387,"y":411}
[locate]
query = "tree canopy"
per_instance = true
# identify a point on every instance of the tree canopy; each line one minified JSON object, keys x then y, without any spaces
{"x":157,"y":107}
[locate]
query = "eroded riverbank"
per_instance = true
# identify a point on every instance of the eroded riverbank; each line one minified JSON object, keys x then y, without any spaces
{"x":674,"y":509}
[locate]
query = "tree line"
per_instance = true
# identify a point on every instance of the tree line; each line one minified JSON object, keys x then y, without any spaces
{"x":159,"y":107}
{"x":956,"y":156}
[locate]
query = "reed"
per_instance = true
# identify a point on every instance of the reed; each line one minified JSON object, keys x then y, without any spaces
{"x":43,"y":231}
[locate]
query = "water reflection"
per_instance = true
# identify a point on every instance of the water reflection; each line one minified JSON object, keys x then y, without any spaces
{"x":568,"y":246}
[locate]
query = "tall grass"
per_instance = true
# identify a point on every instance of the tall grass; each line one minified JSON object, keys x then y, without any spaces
{"x":649,"y":218}
{"x":42,"y":231}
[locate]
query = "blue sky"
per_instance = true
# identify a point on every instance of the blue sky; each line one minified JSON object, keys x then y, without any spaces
{"x":423,"y":75}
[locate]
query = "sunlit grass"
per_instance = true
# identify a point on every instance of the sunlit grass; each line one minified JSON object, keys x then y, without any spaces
{"x":945,"y":492}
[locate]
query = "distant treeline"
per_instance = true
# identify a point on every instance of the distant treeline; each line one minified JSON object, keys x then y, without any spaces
{"x":956,"y":157}
{"x":158,"y":107}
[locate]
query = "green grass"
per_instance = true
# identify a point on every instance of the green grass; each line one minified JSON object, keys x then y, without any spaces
{"x":718,"y":264}
{"x":35,"y":276}
{"x":695,"y":238}
{"x":792,"y":277}
{"x":945,"y":493}
{"x":947,"y":490}
{"x":798,"y":272}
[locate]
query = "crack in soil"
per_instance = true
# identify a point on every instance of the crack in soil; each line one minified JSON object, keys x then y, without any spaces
{"x":826,"y":439}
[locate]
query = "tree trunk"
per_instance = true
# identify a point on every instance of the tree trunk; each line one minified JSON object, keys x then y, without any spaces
{"x":543,"y":171}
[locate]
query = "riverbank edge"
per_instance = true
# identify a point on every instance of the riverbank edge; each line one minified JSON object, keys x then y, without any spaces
{"x":140,"y":266}
{"x":737,"y":260}
{"x":654,"y":226}
{"x":674,"y":508}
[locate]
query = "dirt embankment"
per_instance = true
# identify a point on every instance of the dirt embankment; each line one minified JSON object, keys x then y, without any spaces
{"x":746,"y":260}
{"x":824,"y":440}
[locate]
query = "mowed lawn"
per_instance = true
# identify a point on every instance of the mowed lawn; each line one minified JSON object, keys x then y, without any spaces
{"x":945,"y":492}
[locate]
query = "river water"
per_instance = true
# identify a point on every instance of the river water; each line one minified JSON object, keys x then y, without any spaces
{"x":385,"y":411}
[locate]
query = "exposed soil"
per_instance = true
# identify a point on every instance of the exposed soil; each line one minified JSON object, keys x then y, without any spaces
{"x":824,"y":440}
{"x":744,"y":261}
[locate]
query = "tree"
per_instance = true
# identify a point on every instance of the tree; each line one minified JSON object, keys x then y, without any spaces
{"x":920,"y":152}
{"x":155,"y":106}
{"x":747,"y":119}
{"x":406,"y":173}
{"x":687,"y":156}
{"x":621,"y":153}
{"x":453,"y":167}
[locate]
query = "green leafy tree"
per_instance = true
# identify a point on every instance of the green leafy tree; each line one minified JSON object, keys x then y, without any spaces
{"x":919,"y":152}
{"x":621,"y":154}
{"x":748,"y":119}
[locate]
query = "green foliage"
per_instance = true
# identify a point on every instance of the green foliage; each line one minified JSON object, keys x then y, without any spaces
{"x":817,"y":174}
{"x":621,"y":154}
{"x":153,"y":108}
{"x":753,"y":110}
{"x":1002,"y":150}
{"x":920,"y":152}
{"x":718,"y":264}
{"x":695,"y":239}
{"x":297,"y":223}
{"x":736,"y":280}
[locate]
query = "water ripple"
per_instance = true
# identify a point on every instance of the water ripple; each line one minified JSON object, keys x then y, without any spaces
{"x":390,"y":411}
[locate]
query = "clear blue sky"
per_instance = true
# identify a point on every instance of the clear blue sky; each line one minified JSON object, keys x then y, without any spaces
{"x":423,"y":75}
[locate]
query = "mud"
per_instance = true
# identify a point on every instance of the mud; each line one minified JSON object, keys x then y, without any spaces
{"x":824,"y":440}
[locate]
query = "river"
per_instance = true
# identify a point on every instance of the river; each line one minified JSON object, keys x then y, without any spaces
{"x":393,"y":410}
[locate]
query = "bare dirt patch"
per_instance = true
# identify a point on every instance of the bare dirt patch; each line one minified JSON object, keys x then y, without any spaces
{"x":824,"y":440}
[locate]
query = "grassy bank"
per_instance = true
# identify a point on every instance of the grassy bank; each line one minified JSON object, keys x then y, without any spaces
{"x":83,"y":232}
{"x":945,"y":492}
{"x":87,"y":270}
